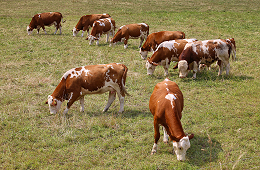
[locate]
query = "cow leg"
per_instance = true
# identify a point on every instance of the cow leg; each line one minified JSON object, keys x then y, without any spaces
{"x":44,"y":29}
{"x":111,"y":98}
{"x":220,"y":64}
{"x":156,"y":137}
{"x":107,"y":37}
{"x":121,"y":97}
{"x":60,"y":28}
{"x":195,"y":69}
{"x":38,"y":30}
{"x":81,"y":100}
{"x":141,"y":42}
{"x":72,"y":98}
{"x":165,"y":136}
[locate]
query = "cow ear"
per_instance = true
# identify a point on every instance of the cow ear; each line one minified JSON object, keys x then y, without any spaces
{"x":46,"y":102}
{"x":148,"y":58}
{"x":191,"y":136}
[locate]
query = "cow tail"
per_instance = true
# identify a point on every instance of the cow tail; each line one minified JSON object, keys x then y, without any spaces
{"x":124,"y":79}
{"x":62,"y":18}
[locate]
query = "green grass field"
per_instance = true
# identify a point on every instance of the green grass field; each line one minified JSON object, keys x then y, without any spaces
{"x":222,"y":112}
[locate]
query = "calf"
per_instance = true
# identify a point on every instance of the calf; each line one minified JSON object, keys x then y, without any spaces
{"x":154,"y":39}
{"x":166,"y":105}
{"x":131,"y":31}
{"x":204,"y":52}
{"x":166,"y":52}
{"x":92,"y":79}
{"x":102,"y":26}
{"x":45,"y":19}
{"x":86,"y":22}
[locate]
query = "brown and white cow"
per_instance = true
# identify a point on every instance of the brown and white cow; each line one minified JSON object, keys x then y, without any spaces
{"x":131,"y":31}
{"x":45,"y":19}
{"x":102,"y":26}
{"x":86,"y":22}
{"x":166,"y":104}
{"x":92,"y":79}
{"x":204,"y":52}
{"x":166,"y":52}
{"x":156,"y":38}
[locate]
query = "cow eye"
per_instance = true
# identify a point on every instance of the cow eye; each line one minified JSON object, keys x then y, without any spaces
{"x":180,"y":148}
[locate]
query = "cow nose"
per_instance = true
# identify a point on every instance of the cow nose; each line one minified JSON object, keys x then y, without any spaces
{"x":182,"y":77}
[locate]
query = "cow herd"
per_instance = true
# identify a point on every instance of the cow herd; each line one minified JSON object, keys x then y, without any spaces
{"x":166,"y":101}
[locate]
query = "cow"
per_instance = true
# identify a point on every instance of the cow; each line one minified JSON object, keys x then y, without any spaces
{"x":205,"y":52}
{"x":91,"y":79}
{"x":131,"y":31}
{"x":86,"y":22}
{"x":102,"y":26}
{"x":166,"y":104}
{"x":166,"y":52}
{"x":156,"y":38}
{"x":45,"y":19}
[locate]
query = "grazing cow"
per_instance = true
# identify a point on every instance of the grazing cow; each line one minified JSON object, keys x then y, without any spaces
{"x":154,"y":39}
{"x":45,"y":19}
{"x":92,"y":79}
{"x":166,"y":105}
{"x":204,"y":52}
{"x":166,"y":52}
{"x":86,"y":22}
{"x":102,"y":26}
{"x":131,"y":31}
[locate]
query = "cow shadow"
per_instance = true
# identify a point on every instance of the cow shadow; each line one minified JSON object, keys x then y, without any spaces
{"x":212,"y":75}
{"x":203,"y":149}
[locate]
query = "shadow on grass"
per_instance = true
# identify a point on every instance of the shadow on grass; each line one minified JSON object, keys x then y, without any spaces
{"x":213,"y":76}
{"x":204,"y":149}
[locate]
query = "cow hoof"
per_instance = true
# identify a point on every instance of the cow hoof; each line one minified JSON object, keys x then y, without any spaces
{"x":153,"y":152}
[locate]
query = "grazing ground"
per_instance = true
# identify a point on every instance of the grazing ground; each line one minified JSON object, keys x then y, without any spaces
{"x":222,"y":112}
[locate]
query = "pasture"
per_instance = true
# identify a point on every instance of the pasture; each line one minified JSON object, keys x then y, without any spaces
{"x":222,"y":112}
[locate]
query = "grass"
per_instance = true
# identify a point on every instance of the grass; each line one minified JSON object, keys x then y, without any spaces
{"x":222,"y":112}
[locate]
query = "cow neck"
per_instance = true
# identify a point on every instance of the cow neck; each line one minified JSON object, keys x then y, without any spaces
{"x":175,"y":126}
{"x":60,"y":91}
{"x":155,"y":57}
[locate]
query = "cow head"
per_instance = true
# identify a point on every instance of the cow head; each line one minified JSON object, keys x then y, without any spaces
{"x":143,"y":53}
{"x":54,"y":104}
{"x":181,"y":147}
{"x":183,"y":68}
{"x":91,"y":39}
{"x":75,"y":32}
{"x":29,"y":30}
{"x":150,"y":66}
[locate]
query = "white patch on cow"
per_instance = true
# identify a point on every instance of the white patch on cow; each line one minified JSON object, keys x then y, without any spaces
{"x":74,"y":73}
{"x":144,"y":24}
{"x":121,"y":27}
{"x":102,"y":24}
{"x":181,"y":147}
{"x":171,"y":97}
{"x":71,"y":95}
{"x":183,"y":68}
